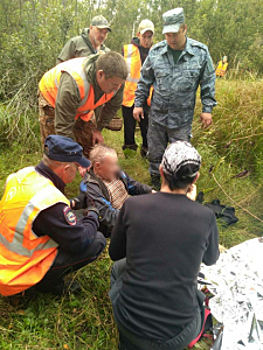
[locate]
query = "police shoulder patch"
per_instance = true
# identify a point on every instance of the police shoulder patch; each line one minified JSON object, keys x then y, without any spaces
{"x":69,"y":216}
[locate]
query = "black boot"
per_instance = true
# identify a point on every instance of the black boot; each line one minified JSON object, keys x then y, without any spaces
{"x":59,"y":289}
{"x":130,"y":151}
{"x":156,"y":184}
{"x":143,"y":152}
{"x":133,"y":147}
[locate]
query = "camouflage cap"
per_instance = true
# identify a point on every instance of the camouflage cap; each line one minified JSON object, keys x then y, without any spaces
{"x":173,"y":20}
{"x":100,"y":22}
{"x":180,"y":154}
{"x":145,"y":25}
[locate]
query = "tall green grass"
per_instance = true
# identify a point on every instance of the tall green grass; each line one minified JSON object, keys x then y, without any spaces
{"x":231,"y":145}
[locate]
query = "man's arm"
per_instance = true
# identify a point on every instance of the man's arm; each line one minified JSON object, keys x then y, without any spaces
{"x":212,"y":252}
{"x":67,"y":52}
{"x":110,"y":109}
{"x":117,"y":248}
{"x":67,"y":102}
{"x":60,"y":224}
{"x":143,"y":88}
{"x":145,"y":82}
{"x":108,"y":215}
{"x":207,"y":84}
{"x":135,"y":187}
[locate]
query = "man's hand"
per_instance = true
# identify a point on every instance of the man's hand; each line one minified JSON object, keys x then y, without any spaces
{"x":137,"y":113}
{"x":90,"y":206}
{"x":78,"y":202}
{"x":82,"y":171}
{"x":206,"y":119}
{"x":96,"y":137}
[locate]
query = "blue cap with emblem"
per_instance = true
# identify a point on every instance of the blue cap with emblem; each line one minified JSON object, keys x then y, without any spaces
{"x":173,"y":20}
{"x":64,"y":149}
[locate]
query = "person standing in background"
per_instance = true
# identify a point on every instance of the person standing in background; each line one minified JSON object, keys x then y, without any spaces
{"x":222,"y":67}
{"x":89,"y":42}
{"x":135,"y":55}
{"x":175,"y":68}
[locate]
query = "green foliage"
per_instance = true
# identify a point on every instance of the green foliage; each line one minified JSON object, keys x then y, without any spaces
{"x":42,"y":322}
{"x":32,"y":33}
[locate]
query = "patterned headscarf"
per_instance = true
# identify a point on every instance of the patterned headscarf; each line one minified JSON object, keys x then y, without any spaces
{"x":179,"y":154}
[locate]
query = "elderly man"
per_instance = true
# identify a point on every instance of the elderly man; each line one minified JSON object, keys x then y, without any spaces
{"x":135,"y":55}
{"x":71,"y":91}
{"x":40,"y":238}
{"x":107,"y":187}
{"x":89,"y":42}
{"x":175,"y":67}
{"x":164,"y":238}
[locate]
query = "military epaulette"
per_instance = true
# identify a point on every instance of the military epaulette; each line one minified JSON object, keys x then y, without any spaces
{"x":197,"y":43}
{"x":159,"y":45}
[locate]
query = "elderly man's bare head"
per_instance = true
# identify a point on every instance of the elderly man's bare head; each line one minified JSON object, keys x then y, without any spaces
{"x":104,"y":162}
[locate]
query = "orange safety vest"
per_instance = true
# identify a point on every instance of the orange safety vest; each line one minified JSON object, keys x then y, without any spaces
{"x":133,"y":60}
{"x":25,"y":258}
{"x":221,"y":69}
{"x":49,"y":85}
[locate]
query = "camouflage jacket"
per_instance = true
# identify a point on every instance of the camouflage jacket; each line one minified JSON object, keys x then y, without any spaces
{"x":79,"y":46}
{"x":175,"y":84}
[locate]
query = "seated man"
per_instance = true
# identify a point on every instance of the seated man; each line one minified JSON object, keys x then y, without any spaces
{"x":40,"y":239}
{"x":160,"y":241}
{"x":108,"y":187}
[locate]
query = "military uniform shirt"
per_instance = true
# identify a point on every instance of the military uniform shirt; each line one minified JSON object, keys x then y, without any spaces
{"x":176,"y":54}
{"x":175,"y":84}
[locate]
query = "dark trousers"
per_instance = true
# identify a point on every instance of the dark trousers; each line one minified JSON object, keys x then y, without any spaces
{"x":130,"y":341}
{"x":130,"y":125}
{"x":158,"y":138}
{"x":66,"y":262}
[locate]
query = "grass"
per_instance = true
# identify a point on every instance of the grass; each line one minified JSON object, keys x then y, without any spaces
{"x":42,"y":322}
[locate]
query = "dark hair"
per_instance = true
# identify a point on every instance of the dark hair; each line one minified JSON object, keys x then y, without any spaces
{"x":184,"y":177}
{"x":113,"y":65}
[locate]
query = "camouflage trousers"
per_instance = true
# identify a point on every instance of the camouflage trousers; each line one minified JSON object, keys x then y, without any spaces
{"x":82,"y":130}
{"x":158,"y":138}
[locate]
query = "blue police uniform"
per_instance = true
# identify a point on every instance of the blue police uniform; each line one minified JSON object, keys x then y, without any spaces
{"x":175,"y":86}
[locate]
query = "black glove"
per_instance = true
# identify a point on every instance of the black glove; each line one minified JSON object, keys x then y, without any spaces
{"x":90,"y":206}
{"x":78,"y":202}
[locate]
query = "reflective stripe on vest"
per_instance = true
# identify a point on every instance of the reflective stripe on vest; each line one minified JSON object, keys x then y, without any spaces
{"x":133,"y":60}
{"x":24,"y":257}
{"x":221,"y":69}
{"x":49,"y":85}
{"x":16,"y":245}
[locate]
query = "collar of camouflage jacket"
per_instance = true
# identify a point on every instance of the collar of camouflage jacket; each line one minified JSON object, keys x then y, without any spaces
{"x":188,"y":48}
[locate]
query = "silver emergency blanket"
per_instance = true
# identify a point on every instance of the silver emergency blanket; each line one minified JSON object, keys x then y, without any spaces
{"x":236,"y":280}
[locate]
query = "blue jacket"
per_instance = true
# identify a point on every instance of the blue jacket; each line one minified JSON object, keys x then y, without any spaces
{"x":175,"y":84}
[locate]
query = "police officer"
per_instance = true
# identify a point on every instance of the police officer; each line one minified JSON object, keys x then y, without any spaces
{"x":41,"y":239}
{"x":175,"y":67}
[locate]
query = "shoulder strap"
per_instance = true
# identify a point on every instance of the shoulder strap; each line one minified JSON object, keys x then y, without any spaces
{"x":88,"y":43}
